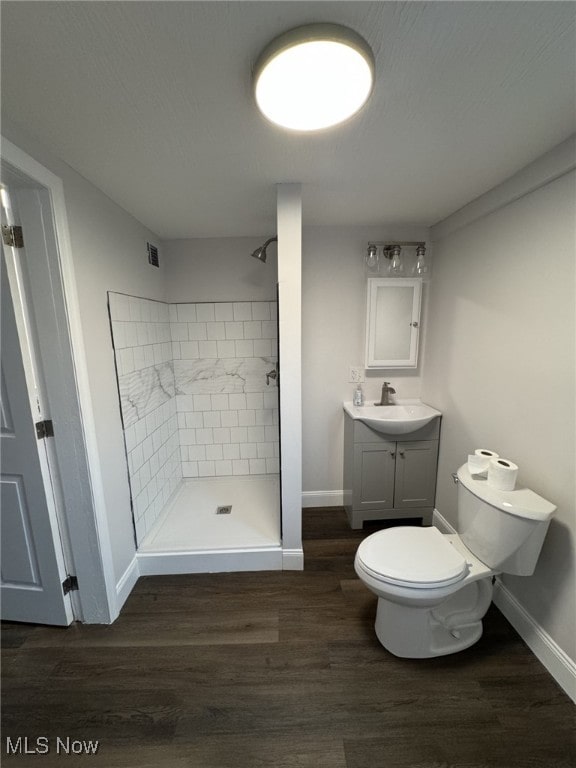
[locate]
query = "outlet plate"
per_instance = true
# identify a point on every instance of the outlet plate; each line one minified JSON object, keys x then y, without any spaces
{"x":356,"y":375}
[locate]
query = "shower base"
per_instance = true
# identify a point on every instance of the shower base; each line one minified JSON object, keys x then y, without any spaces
{"x":197,"y":534}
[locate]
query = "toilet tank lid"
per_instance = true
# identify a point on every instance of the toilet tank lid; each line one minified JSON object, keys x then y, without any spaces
{"x":521,"y":502}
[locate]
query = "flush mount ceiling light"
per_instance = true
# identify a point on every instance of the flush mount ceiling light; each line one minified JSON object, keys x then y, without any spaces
{"x":314,"y":77}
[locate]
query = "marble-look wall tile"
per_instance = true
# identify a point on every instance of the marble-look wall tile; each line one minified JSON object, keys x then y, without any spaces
{"x":141,"y":392}
{"x":213,"y":374}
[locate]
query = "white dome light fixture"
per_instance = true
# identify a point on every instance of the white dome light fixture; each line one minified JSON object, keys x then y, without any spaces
{"x":314,"y":77}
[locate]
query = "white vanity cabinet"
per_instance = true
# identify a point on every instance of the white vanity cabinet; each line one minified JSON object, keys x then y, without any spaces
{"x":389,"y":476}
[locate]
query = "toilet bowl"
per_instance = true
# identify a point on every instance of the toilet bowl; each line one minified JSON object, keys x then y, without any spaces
{"x":434,"y":589}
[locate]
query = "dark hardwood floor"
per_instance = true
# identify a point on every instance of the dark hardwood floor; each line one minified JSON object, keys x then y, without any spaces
{"x":274,"y":670}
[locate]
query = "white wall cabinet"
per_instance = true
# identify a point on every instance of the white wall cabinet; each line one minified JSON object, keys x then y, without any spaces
{"x":386,"y":477}
{"x":393,"y":322}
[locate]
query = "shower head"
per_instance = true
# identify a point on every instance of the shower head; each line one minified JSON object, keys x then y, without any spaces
{"x":260,"y":253}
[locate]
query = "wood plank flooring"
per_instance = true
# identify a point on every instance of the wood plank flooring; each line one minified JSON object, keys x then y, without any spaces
{"x":275,"y":670}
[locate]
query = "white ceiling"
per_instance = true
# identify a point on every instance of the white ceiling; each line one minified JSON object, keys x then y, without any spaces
{"x":151,"y":101}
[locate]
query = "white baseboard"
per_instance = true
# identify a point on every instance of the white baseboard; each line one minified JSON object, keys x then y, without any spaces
{"x":293,"y":559}
{"x":547,"y":651}
{"x":440,"y":522}
{"x":126,"y":584}
{"x":322,"y":498}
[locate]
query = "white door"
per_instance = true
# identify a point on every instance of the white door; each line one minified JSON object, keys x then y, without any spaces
{"x":32,"y":563}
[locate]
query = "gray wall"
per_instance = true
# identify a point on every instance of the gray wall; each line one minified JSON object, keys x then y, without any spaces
{"x":109,"y":253}
{"x":219,"y":269}
{"x":499,"y":362}
{"x":333,"y":320}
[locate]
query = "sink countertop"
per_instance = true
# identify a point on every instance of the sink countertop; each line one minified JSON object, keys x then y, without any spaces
{"x":402,"y":417}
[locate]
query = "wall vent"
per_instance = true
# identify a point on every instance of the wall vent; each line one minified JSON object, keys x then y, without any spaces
{"x":153,"y":255}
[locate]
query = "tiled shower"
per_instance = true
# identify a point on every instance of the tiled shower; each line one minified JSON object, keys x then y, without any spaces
{"x":198,"y":394}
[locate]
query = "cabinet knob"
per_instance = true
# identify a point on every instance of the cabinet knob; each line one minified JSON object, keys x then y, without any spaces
{"x":402,"y":454}
{"x":392,"y":454}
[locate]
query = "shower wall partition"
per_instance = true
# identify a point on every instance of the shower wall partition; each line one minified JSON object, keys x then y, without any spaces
{"x":196,"y":395}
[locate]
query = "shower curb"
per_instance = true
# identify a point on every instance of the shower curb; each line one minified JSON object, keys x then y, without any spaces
{"x":209,"y":561}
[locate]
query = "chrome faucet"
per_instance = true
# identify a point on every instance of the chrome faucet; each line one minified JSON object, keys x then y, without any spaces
{"x":387,"y":390}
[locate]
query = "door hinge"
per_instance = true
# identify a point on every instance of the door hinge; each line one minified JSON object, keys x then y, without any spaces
{"x":12,"y":235}
{"x":70,"y":584}
{"x":44,"y":429}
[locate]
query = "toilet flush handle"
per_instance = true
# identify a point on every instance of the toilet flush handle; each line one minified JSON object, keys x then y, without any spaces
{"x":455,"y":478}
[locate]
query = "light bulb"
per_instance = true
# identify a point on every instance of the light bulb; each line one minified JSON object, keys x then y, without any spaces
{"x":396,"y":264}
{"x":421,"y":264}
{"x":372,"y":260}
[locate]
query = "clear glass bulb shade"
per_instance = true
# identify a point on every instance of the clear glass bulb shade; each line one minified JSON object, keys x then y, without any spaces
{"x":314,"y":85}
{"x":421,"y":266}
{"x":396,"y":266}
{"x":372,"y":259}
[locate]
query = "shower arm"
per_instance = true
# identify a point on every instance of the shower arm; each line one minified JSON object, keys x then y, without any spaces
{"x":260,"y":253}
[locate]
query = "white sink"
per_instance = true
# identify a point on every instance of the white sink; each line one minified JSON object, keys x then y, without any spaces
{"x":393,"y":419}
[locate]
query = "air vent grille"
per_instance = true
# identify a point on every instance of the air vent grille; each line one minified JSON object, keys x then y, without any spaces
{"x":153,"y":255}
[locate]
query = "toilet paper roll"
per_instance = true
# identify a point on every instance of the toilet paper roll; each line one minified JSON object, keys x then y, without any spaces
{"x":478,"y":461}
{"x":502,"y":474}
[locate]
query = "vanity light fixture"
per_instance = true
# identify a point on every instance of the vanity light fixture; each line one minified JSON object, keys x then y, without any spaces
{"x":313,"y":77}
{"x":392,"y":251}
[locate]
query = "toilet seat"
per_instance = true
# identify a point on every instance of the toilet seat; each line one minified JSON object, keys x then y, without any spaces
{"x":406,"y":556}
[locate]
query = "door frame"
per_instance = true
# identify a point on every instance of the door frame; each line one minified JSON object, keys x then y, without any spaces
{"x":83,"y":510}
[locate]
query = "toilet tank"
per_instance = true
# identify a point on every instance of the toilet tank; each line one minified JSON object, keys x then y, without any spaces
{"x":504,"y":529}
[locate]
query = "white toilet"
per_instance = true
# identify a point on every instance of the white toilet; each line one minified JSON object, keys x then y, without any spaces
{"x":433,"y":589}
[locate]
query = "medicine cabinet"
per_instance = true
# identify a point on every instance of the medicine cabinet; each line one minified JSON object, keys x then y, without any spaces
{"x":392,"y":322}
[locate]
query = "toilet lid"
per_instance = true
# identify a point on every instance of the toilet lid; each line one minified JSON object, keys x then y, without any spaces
{"x":410,"y":556}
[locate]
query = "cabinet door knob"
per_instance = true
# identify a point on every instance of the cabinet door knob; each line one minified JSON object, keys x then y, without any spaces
{"x":402,"y":454}
{"x":392,"y":454}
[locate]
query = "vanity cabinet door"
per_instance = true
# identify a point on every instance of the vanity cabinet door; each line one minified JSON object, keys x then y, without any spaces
{"x":415,"y":481}
{"x":373,"y":483}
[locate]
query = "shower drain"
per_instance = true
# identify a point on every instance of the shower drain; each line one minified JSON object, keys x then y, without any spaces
{"x":225,"y":510}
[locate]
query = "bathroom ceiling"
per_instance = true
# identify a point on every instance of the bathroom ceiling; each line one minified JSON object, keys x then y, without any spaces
{"x":151,"y":101}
